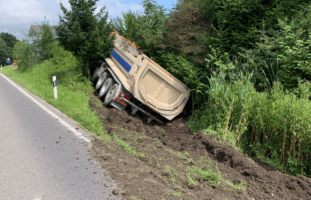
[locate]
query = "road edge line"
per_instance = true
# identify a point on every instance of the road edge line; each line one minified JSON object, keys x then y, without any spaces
{"x":78,"y":134}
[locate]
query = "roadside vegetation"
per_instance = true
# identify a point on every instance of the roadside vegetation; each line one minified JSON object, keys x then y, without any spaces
{"x":251,"y":87}
{"x":73,"y":90}
{"x":7,"y":42}
{"x":248,"y":67}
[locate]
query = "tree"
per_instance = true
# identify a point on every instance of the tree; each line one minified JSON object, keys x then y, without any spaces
{"x":237,"y":23}
{"x":146,"y":29}
{"x":10,"y":41}
{"x":287,"y":51}
{"x":43,"y":43}
{"x":118,"y":25}
{"x":186,"y":28}
{"x":85,"y":33}
{"x":24,"y":55}
{"x":3,"y":52}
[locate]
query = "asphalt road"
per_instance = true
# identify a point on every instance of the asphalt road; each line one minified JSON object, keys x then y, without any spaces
{"x":42,"y":154}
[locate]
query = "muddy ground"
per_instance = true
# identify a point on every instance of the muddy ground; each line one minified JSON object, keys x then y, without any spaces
{"x":166,"y":156}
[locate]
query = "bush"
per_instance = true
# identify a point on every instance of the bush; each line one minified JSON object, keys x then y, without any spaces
{"x":273,"y":125}
{"x":185,"y":28}
{"x":189,"y":74}
{"x":147,"y":29}
{"x":44,"y":42}
{"x":237,"y":23}
{"x":4,"y":52}
{"x":283,"y":55}
{"x":24,"y":55}
{"x":68,"y":70}
{"x":228,"y":96}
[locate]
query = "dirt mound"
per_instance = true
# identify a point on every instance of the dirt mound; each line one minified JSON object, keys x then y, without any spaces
{"x":263,"y":181}
{"x":156,"y":164}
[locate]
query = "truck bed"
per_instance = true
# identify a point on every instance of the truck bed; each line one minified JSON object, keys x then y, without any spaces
{"x":147,"y":81}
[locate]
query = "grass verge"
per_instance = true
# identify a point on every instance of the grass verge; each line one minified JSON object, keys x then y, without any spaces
{"x":73,"y":103}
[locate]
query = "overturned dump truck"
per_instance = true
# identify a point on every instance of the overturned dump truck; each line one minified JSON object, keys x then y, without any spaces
{"x":128,"y":76}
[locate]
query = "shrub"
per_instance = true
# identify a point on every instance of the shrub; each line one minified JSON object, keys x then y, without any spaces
{"x":67,"y":68}
{"x":188,"y":73}
{"x":272,"y":125}
{"x":44,"y":42}
{"x":24,"y":55}
{"x":283,"y":55}
{"x":146,"y":29}
{"x":237,"y":23}
{"x":4,"y":52}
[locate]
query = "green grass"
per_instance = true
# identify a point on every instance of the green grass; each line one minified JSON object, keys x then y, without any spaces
{"x":176,"y":194}
{"x":127,"y":147}
{"x":275,"y":121}
{"x":72,"y":102}
{"x":190,"y":181}
{"x":206,"y":174}
{"x":205,"y":171}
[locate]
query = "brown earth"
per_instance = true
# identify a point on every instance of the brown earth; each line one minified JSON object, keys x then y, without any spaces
{"x":163,"y":170}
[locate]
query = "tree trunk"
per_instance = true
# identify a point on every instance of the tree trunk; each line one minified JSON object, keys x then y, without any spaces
{"x":89,"y":72}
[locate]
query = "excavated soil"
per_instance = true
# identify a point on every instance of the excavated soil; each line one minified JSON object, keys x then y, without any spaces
{"x":161,"y":173}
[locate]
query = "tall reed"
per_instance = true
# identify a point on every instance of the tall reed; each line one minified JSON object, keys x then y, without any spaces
{"x":273,"y":125}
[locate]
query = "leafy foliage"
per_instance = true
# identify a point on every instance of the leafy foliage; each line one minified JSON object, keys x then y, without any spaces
{"x":28,"y":54}
{"x":43,"y":43}
{"x":4,"y":52}
{"x":73,"y":91}
{"x":84,"y":33}
{"x":237,"y":23}
{"x":67,"y":68}
{"x":24,"y":55}
{"x":189,"y":74}
{"x":10,"y":41}
{"x":270,"y":125}
{"x":285,"y":54}
{"x":185,"y":29}
{"x":146,"y":29}
{"x":118,"y":25}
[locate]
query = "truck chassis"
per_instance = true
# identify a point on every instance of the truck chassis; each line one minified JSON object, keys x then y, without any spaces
{"x":121,"y":98}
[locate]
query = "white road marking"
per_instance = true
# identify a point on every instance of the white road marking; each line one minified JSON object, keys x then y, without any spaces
{"x":77,"y":133}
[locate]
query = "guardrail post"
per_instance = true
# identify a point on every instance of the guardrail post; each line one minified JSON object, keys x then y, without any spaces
{"x":55,"y":87}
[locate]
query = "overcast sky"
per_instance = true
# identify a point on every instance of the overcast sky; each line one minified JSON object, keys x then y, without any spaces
{"x":16,"y":16}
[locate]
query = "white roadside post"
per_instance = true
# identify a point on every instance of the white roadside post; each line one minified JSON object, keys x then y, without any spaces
{"x":55,"y":87}
{"x":1,"y":66}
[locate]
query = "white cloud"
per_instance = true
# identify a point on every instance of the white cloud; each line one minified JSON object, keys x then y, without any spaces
{"x":5,"y":30}
{"x":21,"y":11}
{"x":16,"y":15}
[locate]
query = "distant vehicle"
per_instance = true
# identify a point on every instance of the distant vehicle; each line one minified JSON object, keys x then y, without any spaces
{"x":128,"y":75}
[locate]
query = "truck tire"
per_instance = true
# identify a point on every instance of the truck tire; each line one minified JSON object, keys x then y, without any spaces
{"x":102,"y":79}
{"x":111,"y":94}
{"x":95,"y":75}
{"x":106,"y":86}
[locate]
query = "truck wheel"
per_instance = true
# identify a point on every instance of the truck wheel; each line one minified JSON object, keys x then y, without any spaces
{"x":102,"y":79}
{"x":111,"y":94}
{"x":107,"y":84}
{"x":95,"y":75}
